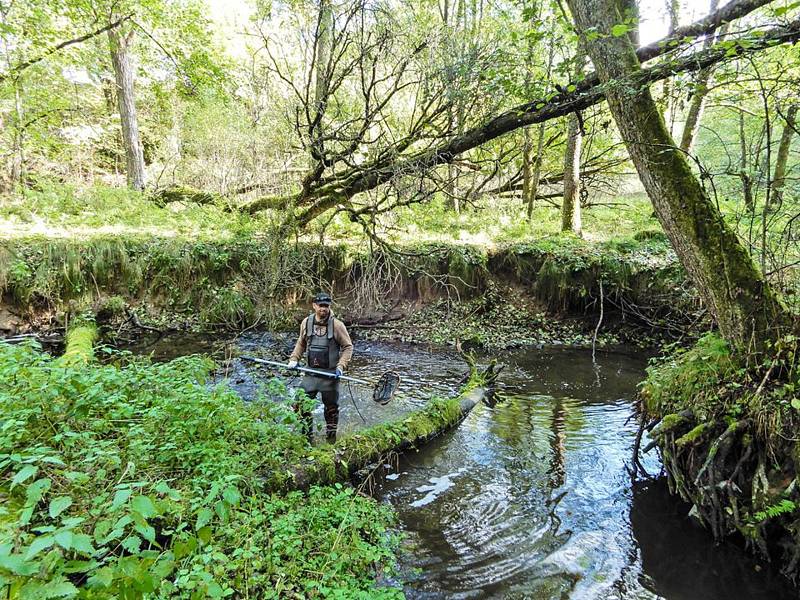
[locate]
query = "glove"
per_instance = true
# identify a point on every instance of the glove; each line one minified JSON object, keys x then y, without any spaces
{"x":292,"y":364}
{"x":339,"y":372}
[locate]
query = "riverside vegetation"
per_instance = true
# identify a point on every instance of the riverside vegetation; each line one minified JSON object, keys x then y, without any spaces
{"x":129,"y":478}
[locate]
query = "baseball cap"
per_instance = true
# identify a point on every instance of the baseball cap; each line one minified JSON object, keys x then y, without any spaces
{"x":323,"y":298}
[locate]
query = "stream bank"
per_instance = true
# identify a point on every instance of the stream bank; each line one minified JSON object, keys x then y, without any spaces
{"x":727,"y":433}
{"x":552,"y":291}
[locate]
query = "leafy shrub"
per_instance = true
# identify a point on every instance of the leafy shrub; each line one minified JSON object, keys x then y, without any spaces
{"x":134,"y":479}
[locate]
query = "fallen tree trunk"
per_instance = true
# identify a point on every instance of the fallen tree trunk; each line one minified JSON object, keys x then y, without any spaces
{"x":340,"y":461}
{"x":317,"y":200}
{"x":181,"y":193}
{"x":80,"y":344}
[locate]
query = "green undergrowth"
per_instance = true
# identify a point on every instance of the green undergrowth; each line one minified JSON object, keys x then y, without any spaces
{"x":567,"y":272}
{"x":242,"y":282}
{"x":117,"y":252}
{"x":57,"y":210}
{"x":220,"y":283}
{"x":691,"y":378}
{"x":716,"y":384}
{"x":131,"y":479}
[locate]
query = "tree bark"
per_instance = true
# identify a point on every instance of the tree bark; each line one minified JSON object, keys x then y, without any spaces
{"x":700,"y":92}
{"x":744,"y":174}
{"x":571,"y":205}
{"x":745,"y":307}
{"x":779,"y":178}
{"x":530,"y":183}
{"x":119,"y":43}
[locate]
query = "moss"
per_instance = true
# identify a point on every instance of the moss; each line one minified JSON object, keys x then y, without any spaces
{"x":690,"y":379}
{"x":668,"y":423}
{"x":693,"y":437}
{"x":80,"y":344}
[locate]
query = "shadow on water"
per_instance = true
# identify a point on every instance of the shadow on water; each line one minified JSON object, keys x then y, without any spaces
{"x":528,"y":498}
{"x":680,"y":563}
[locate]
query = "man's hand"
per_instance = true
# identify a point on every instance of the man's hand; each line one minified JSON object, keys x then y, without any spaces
{"x":292,"y":364}
{"x":339,"y":372}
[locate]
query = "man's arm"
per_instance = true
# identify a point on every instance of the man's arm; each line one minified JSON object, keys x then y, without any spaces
{"x":345,"y":344}
{"x":300,"y":346}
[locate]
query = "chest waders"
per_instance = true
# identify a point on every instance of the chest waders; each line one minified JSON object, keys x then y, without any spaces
{"x":322,"y":353}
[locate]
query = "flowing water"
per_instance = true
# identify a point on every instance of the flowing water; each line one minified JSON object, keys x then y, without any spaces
{"x":529,"y":498}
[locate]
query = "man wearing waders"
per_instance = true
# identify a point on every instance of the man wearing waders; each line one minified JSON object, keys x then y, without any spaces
{"x":327,"y":346}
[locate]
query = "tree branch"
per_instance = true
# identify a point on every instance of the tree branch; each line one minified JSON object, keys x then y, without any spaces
{"x":30,"y":62}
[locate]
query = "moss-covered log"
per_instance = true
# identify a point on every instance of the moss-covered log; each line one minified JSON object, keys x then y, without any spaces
{"x":340,"y":461}
{"x":185,"y":194}
{"x":81,"y":338}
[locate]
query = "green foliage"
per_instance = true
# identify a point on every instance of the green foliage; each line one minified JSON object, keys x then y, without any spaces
{"x":690,"y":378}
{"x":784,"y":507}
{"x":137,"y":479}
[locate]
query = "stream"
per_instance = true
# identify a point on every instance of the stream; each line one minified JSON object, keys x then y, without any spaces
{"x":527,"y":499}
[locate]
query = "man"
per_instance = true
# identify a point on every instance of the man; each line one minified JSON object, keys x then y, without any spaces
{"x":327,"y":346}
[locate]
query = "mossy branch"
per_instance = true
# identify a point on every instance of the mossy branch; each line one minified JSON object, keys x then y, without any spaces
{"x":338,"y":462}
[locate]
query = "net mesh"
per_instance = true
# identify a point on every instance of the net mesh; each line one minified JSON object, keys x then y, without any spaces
{"x":386,"y":387}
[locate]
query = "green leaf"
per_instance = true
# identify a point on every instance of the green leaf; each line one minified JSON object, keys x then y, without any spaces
{"x":144,"y":506}
{"x":40,"y":543}
{"x":204,"y":534}
{"x":62,"y":589}
{"x":231,"y":496}
{"x":64,"y":539}
{"x":796,"y":403}
{"x":24,"y":474}
{"x":102,"y":578}
{"x":59,"y":505}
{"x":203,"y":517}
{"x":36,"y":490}
{"x":120,"y":498}
{"x":132,"y":544}
{"x":18,"y":565}
{"x":83,"y":543}
{"x":619,"y":30}
{"x":147,"y":532}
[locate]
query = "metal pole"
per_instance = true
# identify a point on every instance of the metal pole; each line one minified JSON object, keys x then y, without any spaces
{"x":305,"y":370}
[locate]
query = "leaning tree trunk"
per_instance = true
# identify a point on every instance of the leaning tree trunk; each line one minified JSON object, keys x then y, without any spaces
{"x":700,"y":92}
{"x":743,"y":304}
{"x":123,"y":73}
{"x":744,"y":172}
{"x":571,"y":205}
{"x":779,"y":178}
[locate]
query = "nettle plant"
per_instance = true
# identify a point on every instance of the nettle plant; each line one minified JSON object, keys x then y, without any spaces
{"x":131,"y":479}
